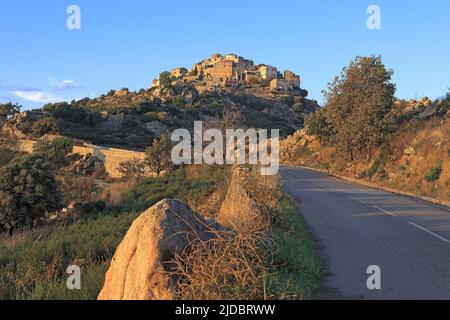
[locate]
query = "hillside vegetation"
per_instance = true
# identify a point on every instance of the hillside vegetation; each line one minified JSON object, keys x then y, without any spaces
{"x":131,"y":120}
{"x":363,"y":132}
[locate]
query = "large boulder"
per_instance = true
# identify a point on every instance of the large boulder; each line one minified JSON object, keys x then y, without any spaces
{"x":139,"y":267}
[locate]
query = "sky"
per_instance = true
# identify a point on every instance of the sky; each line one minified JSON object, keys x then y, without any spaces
{"x":128,"y":43}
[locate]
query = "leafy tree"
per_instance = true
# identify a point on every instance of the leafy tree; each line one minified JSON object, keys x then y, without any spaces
{"x":55,"y":151}
{"x":27,"y":191}
{"x":165,"y":79}
{"x":359,"y":103}
{"x":318,"y":125}
{"x":8,"y":110}
{"x":132,"y":169}
{"x":158,"y":155}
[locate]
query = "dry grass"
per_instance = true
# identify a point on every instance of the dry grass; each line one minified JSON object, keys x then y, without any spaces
{"x":113,"y":193}
{"x":404,"y":162}
{"x":228,"y":267}
{"x":274,"y":258}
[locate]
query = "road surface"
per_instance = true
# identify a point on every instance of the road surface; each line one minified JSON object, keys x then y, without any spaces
{"x":358,"y":227}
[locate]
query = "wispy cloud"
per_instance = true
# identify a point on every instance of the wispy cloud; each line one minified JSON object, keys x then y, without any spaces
{"x":63,"y":85}
{"x":11,"y":88}
{"x":37,"y":96}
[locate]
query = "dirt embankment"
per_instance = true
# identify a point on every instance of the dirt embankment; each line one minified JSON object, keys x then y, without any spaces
{"x":414,"y":160}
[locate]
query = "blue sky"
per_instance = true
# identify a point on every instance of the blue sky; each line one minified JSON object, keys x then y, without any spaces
{"x":127,"y":43}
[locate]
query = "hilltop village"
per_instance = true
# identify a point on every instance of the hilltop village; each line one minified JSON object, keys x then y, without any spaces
{"x":232,"y":70}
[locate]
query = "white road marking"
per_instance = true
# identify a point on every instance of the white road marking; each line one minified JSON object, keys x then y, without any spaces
{"x":359,"y":200}
{"x":385,"y":211}
{"x":429,"y":232}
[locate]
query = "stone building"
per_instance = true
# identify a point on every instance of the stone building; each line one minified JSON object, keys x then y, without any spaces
{"x":221,"y":71}
{"x":179,"y":72}
{"x":292,"y":78}
{"x":252,"y":76}
{"x":233,"y":69}
{"x":280,"y":85}
{"x":268,"y":72}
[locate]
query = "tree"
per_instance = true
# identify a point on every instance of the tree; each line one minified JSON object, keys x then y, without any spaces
{"x":158,"y":155}
{"x":319,"y":126}
{"x":132,"y":169}
{"x":358,"y":105}
{"x":55,"y":151}
{"x":165,"y":79}
{"x":28,"y":190}
{"x":7,"y":110}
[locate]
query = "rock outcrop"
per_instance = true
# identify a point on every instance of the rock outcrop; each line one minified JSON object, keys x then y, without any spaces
{"x":239,"y":210}
{"x":139,"y":267}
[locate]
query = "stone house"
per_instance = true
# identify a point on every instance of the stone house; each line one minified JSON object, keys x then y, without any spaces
{"x":292,"y":78}
{"x":252,"y":76}
{"x":268,"y":72}
{"x":178,"y":72}
{"x":280,"y":85}
{"x":224,"y":70}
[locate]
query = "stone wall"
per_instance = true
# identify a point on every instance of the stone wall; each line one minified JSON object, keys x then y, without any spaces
{"x":112,"y":157}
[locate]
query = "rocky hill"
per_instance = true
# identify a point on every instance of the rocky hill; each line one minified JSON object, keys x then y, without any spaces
{"x":132,"y":119}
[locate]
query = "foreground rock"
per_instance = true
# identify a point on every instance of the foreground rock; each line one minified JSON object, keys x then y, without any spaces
{"x":138,"y":268}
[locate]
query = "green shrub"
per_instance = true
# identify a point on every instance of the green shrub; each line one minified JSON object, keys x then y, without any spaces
{"x":6,"y":155}
{"x":433,"y":173}
{"x":44,"y":126}
{"x":56,"y":151}
{"x":27,"y":191}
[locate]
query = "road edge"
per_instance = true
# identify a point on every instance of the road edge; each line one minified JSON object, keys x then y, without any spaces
{"x":442,"y":203}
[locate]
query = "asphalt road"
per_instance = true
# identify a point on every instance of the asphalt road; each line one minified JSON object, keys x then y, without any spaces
{"x":358,"y":226}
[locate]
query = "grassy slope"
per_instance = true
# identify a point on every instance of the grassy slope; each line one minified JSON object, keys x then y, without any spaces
{"x":301,"y":268}
{"x":33,"y":263}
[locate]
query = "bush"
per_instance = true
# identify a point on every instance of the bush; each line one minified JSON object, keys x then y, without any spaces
{"x":6,"y":155}
{"x":159,"y":155}
{"x":132,"y":169}
{"x":28,"y":190}
{"x":56,"y":151}
{"x":178,"y":101}
{"x":44,"y":126}
{"x":433,"y":173}
{"x":154,"y":116}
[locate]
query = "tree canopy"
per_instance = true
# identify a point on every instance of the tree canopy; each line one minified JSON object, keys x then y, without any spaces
{"x":358,"y":106}
{"x":9,"y":109}
{"x":28,"y":190}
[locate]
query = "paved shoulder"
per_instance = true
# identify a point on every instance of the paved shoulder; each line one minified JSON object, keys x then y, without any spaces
{"x":359,"y":227}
